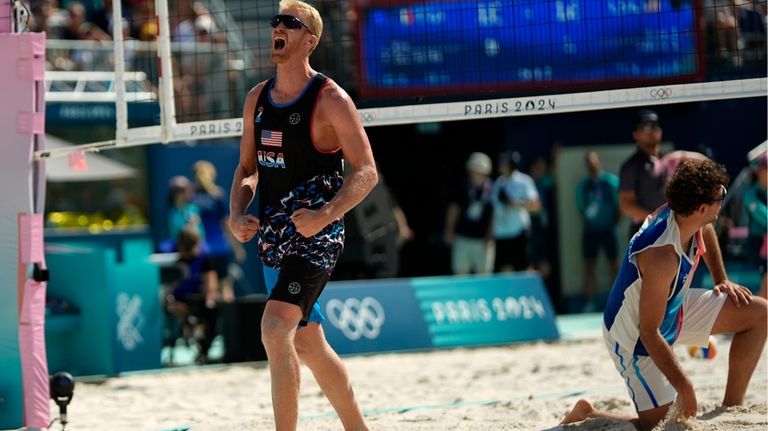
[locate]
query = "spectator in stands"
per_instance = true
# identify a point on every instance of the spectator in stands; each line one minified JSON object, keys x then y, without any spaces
{"x":193,"y":298}
{"x":145,"y":60}
{"x":46,"y":16}
{"x":78,"y":28}
{"x":182,"y":21}
{"x":214,"y":213}
{"x":720,"y":21}
{"x":182,"y":211}
{"x":597,"y":199}
{"x":102,"y":17}
{"x":515,"y":197}
{"x":469,"y":220}
{"x":751,"y":16}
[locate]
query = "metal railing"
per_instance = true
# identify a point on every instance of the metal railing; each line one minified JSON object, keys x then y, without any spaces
{"x":64,"y":86}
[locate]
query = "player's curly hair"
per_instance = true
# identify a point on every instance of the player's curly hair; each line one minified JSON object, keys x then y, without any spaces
{"x":695,"y":183}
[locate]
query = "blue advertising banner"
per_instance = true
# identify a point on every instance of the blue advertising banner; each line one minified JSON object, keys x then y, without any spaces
{"x":89,"y":113}
{"x":373,"y":316}
{"x":432,"y":312}
{"x":465,"y":311}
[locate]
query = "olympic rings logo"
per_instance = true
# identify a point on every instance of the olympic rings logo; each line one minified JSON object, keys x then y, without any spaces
{"x":661,"y":92}
{"x":355,"y":318}
{"x":367,"y":117}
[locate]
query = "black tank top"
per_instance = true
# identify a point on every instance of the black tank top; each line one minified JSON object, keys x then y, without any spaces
{"x":285,"y":152}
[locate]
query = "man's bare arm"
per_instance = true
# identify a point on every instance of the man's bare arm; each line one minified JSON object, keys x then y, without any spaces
{"x":340,"y":128}
{"x":629,"y":207}
{"x":246,"y":176}
{"x":342,"y":117}
{"x":713,"y":257}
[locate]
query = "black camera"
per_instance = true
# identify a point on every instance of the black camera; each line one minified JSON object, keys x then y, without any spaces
{"x":62,"y":390}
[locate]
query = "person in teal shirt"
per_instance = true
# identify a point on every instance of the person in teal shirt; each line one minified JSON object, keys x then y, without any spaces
{"x":597,"y":199}
{"x":757,"y":214}
{"x":182,"y":211}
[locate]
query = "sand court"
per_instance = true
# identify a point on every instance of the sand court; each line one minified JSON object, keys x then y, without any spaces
{"x":515,"y":387}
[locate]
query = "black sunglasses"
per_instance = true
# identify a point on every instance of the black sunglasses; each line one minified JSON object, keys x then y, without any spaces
{"x":722,"y":197}
{"x":290,"y":22}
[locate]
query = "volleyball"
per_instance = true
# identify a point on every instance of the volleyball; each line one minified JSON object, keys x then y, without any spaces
{"x":708,"y":352}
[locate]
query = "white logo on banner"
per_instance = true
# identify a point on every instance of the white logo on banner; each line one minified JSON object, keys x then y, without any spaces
{"x":130,"y":320}
{"x":356,"y":318}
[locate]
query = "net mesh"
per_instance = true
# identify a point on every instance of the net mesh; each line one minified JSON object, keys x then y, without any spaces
{"x":390,"y":53}
{"x":425,"y":61}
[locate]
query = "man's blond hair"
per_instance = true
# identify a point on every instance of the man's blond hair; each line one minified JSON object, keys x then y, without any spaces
{"x":314,"y":22}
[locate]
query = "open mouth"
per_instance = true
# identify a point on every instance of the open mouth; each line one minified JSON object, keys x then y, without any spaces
{"x":279,"y":43}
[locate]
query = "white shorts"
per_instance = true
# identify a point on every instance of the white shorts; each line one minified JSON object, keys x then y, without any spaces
{"x":647,"y":385}
{"x":472,"y":255}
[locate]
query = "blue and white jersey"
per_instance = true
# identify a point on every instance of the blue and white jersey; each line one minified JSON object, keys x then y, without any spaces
{"x":621,"y":318}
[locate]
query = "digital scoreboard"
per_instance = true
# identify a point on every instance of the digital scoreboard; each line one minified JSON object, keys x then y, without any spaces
{"x":450,"y":47}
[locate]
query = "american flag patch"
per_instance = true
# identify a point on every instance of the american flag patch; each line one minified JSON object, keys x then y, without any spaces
{"x":271,"y":138}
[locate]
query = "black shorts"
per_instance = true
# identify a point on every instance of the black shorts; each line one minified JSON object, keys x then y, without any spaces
{"x":513,"y":252}
{"x":300,"y":283}
{"x":221,"y":264}
{"x":592,"y":242}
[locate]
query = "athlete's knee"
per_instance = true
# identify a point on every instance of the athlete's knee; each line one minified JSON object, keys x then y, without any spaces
{"x":306,"y":350}
{"x":310,"y":346}
{"x":760,"y":313}
{"x":275,"y":330}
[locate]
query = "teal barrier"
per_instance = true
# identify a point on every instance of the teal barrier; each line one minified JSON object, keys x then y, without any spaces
{"x":423,"y":313}
{"x":115,"y":289}
{"x":465,"y":311}
{"x":11,"y":406}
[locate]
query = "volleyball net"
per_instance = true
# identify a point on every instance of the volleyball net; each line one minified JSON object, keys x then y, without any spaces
{"x":423,"y":61}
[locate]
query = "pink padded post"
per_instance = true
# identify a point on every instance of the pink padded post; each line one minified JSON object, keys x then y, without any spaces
{"x":5,"y":16}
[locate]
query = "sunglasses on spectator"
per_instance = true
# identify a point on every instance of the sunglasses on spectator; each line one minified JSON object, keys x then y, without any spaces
{"x":290,"y":22}
{"x":649,"y":127}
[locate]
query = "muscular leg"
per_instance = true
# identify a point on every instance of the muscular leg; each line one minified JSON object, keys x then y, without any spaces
{"x":331,"y":375}
{"x":748,"y":322}
{"x":278,"y":330}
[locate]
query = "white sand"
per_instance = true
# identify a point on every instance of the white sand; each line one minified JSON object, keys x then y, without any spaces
{"x":520,"y":387}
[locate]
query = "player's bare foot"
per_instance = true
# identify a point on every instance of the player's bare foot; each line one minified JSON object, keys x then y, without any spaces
{"x":580,"y":411}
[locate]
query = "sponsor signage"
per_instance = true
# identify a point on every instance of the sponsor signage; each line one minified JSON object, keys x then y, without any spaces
{"x":373,"y":316}
{"x":431,"y":312}
{"x":89,"y":113}
{"x":464,"y":311}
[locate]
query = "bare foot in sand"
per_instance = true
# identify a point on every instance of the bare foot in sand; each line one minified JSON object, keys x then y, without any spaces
{"x":580,"y":411}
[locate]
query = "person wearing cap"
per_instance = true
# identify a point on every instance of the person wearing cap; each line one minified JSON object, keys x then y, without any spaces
{"x":641,"y":184}
{"x":757,"y":214}
{"x":469,"y":220}
{"x":515,"y":197}
{"x":182,"y":211}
